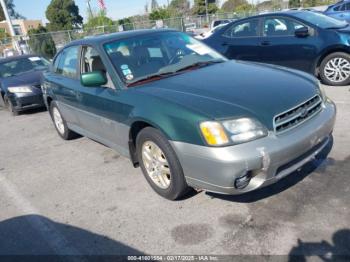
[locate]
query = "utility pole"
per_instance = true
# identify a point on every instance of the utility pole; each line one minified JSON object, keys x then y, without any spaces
{"x":89,"y":8}
{"x":206,"y":10}
{"x":9,"y":22}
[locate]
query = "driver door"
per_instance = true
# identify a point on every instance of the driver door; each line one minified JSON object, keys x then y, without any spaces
{"x":100,"y":110}
{"x":280,"y":46}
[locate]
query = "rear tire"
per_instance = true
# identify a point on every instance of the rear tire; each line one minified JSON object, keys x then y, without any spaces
{"x":60,"y":124}
{"x":160,"y":164}
{"x":335,"y":69}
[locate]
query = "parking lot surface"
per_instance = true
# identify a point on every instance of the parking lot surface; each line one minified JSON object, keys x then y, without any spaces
{"x":80,"y":197}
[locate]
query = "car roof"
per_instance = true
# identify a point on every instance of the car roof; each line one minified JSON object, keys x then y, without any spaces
{"x":13,"y":58}
{"x":95,"y":40}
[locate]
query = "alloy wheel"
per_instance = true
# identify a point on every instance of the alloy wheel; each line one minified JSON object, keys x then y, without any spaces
{"x":156,"y":164}
{"x":57,"y":118}
{"x":337,"y":70}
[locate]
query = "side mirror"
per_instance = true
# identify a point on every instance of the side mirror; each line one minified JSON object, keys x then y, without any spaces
{"x":302,"y":32}
{"x":93,"y":79}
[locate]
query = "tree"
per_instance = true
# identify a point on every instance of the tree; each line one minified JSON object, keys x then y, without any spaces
{"x":154,"y":5}
{"x":63,"y":15}
{"x":200,"y":8}
{"x":244,"y":8}
{"x":124,"y":21}
{"x":294,"y":3}
{"x":41,"y":42}
{"x":231,"y":5}
{"x":3,"y":34}
{"x":100,"y":20}
{"x":159,"y":14}
{"x":179,"y":7}
{"x":11,"y":9}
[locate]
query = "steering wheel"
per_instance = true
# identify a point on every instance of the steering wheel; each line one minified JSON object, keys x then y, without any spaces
{"x":179,"y":54}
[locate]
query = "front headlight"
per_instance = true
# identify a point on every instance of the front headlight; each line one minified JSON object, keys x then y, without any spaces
{"x":19,"y":89}
{"x":238,"y":130}
{"x":244,"y":130}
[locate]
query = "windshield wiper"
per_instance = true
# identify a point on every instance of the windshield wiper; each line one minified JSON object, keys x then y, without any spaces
{"x":150,"y":78}
{"x":171,"y":73}
{"x":338,"y":27}
{"x":199,"y":64}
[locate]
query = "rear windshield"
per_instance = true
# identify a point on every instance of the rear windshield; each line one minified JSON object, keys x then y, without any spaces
{"x":22,"y":65}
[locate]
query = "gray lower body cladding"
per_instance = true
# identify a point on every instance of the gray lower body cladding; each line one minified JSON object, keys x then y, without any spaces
{"x":267,"y":160}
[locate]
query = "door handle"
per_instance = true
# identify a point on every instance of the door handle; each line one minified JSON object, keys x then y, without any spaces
{"x":265,"y":43}
{"x":224,"y":44}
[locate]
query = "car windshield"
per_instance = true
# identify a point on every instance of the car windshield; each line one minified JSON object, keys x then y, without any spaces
{"x":320,"y":20}
{"x":158,"y":55}
{"x":22,"y":65}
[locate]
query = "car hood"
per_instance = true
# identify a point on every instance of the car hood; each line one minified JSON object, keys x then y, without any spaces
{"x":31,"y":78}
{"x":236,"y":89}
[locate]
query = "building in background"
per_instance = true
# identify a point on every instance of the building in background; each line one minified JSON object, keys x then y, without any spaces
{"x":21,"y":26}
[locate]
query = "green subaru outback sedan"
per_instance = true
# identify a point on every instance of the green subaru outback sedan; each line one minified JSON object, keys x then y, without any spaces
{"x":185,"y":114}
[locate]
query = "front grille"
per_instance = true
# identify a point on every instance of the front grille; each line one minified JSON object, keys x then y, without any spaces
{"x":297,"y":115}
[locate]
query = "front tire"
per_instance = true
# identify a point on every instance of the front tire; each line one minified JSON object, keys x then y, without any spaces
{"x":60,"y":124}
{"x":10,"y":107}
{"x":335,"y":69}
{"x":160,"y":164}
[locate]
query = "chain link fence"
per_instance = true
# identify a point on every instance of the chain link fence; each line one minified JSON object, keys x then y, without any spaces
{"x":47,"y":44}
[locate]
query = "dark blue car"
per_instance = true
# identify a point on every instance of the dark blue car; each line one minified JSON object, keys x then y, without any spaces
{"x":340,"y":10}
{"x":304,"y":40}
{"x":20,"y":82}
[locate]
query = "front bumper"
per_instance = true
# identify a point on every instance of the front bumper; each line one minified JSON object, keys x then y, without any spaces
{"x":268,"y":159}
{"x":24,"y":101}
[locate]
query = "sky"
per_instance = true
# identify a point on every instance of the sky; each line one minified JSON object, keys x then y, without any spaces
{"x":116,"y":9}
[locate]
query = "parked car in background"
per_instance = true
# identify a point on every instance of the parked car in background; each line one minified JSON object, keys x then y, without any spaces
{"x":304,"y":40}
{"x":20,"y":82}
{"x":207,"y":34}
{"x":340,"y":10}
{"x":218,"y":22}
{"x":185,"y":114}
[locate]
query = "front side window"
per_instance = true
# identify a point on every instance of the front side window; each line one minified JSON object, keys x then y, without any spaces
{"x":159,"y":54}
{"x":92,"y":62}
{"x":280,"y":26}
{"x":22,"y":65}
{"x":68,"y":61}
{"x":243,"y":29}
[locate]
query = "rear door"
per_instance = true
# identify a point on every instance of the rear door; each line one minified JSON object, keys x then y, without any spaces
{"x":63,"y":80}
{"x":242,"y":40}
{"x":280,"y":46}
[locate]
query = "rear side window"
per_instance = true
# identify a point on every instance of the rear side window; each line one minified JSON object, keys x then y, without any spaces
{"x":243,"y":29}
{"x":67,"y":62}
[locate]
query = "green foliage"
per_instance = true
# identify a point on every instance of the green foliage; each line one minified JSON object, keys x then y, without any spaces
{"x":179,"y":8}
{"x":41,"y":42}
{"x":3,"y":34}
{"x":124,"y":21}
{"x":159,"y":14}
{"x":63,"y":15}
{"x":294,"y":3}
{"x":99,"y":20}
{"x":244,"y":8}
{"x":199,"y":7}
{"x":11,"y":9}
{"x":230,"y":5}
